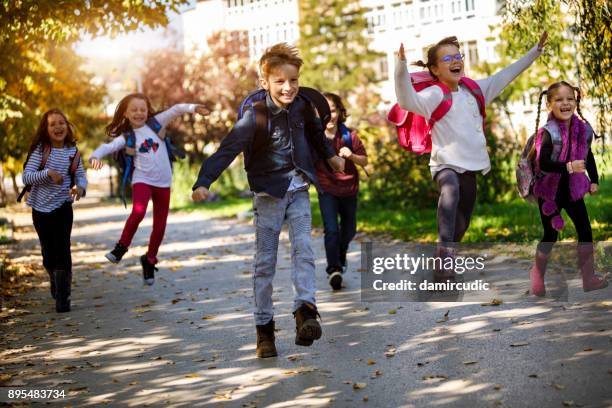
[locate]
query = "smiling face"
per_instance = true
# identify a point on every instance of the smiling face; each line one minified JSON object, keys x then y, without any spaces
{"x":333,"y":121}
{"x":136,"y":112}
{"x":562,"y":102}
{"x":57,"y":128}
{"x":282,"y":83}
{"x":449,"y":66}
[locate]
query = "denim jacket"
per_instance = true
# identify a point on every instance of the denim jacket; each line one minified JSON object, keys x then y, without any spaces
{"x":295,"y":141}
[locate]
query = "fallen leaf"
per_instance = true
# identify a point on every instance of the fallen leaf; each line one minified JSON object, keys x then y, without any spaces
{"x":532,"y":376}
{"x":359,"y":386}
{"x":434,"y":377}
{"x":493,"y":302}
{"x":295,"y":357}
{"x":392,"y":311}
{"x":470,"y":362}
{"x":568,"y":403}
{"x":208,"y":317}
{"x":519,"y":344}
{"x":193,"y":375}
{"x":371,"y":362}
{"x":558,"y":386}
{"x":497,"y":387}
{"x":365,"y":398}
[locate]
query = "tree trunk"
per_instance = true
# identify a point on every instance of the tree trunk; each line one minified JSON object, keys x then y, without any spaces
{"x":15,"y":187}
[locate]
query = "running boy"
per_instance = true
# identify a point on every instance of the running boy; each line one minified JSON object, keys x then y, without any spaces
{"x":280,"y":170}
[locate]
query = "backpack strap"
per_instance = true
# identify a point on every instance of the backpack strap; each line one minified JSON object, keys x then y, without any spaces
{"x":262,"y":125}
{"x":443,"y":107}
{"x":74,"y":165}
{"x":475,"y":90}
{"x":347,"y":138}
{"x":130,"y":151}
{"x":154,"y":124}
{"x":46,"y":151}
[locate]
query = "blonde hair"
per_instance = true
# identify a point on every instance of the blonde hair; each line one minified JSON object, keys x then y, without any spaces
{"x":277,"y":55}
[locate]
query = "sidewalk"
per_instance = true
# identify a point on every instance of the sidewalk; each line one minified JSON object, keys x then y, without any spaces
{"x":189,"y":340}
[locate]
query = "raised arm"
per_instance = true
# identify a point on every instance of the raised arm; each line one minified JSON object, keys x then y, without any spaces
{"x":495,"y":84}
{"x":422,"y":103}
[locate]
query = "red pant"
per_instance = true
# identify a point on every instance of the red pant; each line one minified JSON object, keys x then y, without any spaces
{"x":141,"y":193}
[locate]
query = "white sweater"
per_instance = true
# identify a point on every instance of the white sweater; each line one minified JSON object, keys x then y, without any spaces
{"x":151,"y":164}
{"x":458,"y":141}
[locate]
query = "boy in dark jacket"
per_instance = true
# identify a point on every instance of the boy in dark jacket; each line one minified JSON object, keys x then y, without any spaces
{"x":280,"y":169}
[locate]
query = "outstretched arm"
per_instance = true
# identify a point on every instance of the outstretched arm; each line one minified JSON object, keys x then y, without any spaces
{"x":238,"y":140}
{"x":115,"y":145}
{"x":493,"y":85}
{"x":168,"y":115}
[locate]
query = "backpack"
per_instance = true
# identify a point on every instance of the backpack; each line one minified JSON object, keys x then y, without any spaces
{"x":347,"y":138}
{"x":413,"y":130}
{"x":125,"y":157}
{"x":257,"y":100}
{"x":46,"y":151}
{"x":526,"y":170}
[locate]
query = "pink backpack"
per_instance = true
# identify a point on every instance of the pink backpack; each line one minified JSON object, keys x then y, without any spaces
{"x":413,"y":130}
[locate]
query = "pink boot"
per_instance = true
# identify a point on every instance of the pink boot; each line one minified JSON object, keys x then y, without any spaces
{"x":536,"y":274}
{"x":590,"y":280}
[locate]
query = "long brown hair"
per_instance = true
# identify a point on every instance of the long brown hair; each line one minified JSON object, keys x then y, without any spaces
{"x":432,"y":53}
{"x":342,"y":114}
{"x":120,"y":124}
{"x":41,"y":137}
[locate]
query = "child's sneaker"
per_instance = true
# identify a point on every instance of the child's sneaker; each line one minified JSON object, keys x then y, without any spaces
{"x":265,"y":340}
{"x":335,"y":279}
{"x":116,"y":254}
{"x":307,"y":328}
{"x":148,"y":270}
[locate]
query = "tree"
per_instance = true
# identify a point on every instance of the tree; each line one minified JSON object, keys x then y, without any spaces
{"x":218,"y":79}
{"x":334,"y":47}
{"x":583,"y":29}
{"x":40,"y":69}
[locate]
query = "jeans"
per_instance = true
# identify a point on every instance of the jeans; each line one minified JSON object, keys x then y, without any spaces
{"x":338,"y":236}
{"x":270,"y":215}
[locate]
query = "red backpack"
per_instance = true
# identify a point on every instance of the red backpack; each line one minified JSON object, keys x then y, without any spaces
{"x":413,"y":130}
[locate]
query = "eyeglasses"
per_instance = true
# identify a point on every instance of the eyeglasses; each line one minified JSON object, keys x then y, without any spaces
{"x":448,"y":58}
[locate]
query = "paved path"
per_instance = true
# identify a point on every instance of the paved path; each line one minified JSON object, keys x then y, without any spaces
{"x":189,"y":341}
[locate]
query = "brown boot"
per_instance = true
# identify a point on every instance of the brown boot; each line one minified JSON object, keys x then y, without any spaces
{"x":307,"y":328}
{"x":265,"y":340}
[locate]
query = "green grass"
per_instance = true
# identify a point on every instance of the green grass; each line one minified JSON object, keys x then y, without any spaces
{"x":513,"y":221}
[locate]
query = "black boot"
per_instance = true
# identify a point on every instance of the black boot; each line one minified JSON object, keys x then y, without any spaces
{"x":63,"y":280}
{"x":51,"y":281}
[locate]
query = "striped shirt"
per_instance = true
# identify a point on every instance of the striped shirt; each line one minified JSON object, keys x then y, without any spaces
{"x":46,"y":196}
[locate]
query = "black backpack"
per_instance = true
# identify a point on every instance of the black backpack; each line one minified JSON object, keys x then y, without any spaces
{"x":257,"y":99}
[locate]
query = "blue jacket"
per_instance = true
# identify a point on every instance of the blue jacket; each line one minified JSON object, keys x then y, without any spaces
{"x":295,"y":141}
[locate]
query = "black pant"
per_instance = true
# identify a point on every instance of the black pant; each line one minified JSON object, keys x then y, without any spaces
{"x":338,"y":236}
{"x":577,"y":212}
{"x":455,"y":204}
{"x":54,"y":229}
